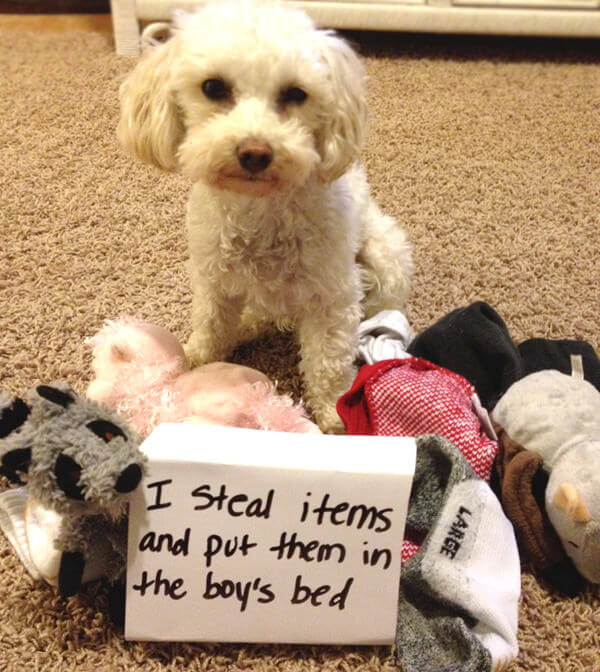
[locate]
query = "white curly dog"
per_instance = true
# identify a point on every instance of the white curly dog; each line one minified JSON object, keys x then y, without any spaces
{"x":266,"y":114}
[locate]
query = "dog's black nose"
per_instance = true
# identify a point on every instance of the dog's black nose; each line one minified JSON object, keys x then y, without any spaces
{"x":254,"y":156}
{"x":129,"y":478}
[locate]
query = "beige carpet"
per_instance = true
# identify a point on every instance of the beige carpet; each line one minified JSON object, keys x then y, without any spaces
{"x":486,"y":150}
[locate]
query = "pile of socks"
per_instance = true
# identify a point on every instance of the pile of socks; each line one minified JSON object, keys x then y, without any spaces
{"x":409,"y":397}
{"x":460,"y":580}
{"x":475,"y":343}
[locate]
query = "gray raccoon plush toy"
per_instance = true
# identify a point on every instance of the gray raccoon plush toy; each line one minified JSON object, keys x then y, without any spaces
{"x":80,"y":462}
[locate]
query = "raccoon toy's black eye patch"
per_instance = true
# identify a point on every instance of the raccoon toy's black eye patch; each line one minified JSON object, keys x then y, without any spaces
{"x":68,"y":473}
{"x":13,"y":416}
{"x":55,"y":395}
{"x":106,"y":430}
{"x":16,"y":461}
{"x":129,"y":478}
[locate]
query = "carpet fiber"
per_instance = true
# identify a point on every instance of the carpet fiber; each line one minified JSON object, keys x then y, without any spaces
{"x":485,"y":149}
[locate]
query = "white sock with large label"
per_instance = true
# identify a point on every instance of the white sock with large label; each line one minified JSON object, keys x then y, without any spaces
{"x":460,"y":592}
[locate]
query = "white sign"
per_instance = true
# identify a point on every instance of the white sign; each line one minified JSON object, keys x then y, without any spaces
{"x":240,"y":535}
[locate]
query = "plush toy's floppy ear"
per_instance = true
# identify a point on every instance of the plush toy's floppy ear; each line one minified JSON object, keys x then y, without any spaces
{"x":48,"y":401}
{"x":14,"y":463}
{"x":340,"y":139}
{"x":120,"y":353}
{"x":571,"y":502}
{"x":523,"y":486}
{"x":12,"y":415}
{"x":150,"y":126}
{"x":55,"y":395}
{"x":45,"y":402}
{"x":16,"y":456}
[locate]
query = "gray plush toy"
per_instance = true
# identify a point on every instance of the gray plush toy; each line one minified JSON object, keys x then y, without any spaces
{"x":80,"y":462}
{"x":548,"y":425}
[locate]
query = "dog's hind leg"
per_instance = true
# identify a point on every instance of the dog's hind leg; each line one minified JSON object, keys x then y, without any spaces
{"x":386,"y":263}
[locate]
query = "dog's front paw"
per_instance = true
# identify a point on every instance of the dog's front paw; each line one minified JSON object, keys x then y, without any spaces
{"x":200,"y":350}
{"x":205,"y":346}
{"x":328,"y":420}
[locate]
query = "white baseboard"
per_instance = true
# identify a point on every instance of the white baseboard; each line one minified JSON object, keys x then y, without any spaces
{"x":548,"y":18}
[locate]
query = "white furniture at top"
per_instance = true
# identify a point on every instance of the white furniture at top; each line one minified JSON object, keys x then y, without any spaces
{"x":556,"y":18}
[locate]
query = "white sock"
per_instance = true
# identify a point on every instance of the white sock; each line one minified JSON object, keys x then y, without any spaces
{"x":13,"y":504}
{"x":384,"y":336}
{"x":460,"y":593}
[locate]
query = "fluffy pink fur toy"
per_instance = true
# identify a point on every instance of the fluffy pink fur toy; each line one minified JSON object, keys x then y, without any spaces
{"x":141,"y":371}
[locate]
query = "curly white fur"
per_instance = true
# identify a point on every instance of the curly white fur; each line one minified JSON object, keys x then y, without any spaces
{"x":300,"y":242}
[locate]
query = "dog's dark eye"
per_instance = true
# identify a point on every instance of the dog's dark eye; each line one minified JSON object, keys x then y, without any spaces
{"x":293,"y":96}
{"x":106,"y":430}
{"x":215,"y":89}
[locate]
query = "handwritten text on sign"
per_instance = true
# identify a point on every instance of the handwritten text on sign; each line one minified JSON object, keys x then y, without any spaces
{"x":241,"y":535}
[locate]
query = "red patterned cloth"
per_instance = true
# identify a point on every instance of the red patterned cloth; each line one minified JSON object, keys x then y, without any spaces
{"x":409,"y":397}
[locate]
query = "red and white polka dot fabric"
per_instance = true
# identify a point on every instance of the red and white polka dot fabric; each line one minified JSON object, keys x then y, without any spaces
{"x":409,"y":397}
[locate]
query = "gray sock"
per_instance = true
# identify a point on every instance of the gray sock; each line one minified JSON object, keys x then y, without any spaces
{"x":459,"y":594}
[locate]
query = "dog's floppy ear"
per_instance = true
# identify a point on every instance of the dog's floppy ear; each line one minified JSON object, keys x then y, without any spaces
{"x":341,"y":137}
{"x":150,"y":126}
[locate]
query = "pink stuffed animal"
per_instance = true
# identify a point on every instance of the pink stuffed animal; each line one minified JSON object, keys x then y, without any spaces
{"x":141,"y":371}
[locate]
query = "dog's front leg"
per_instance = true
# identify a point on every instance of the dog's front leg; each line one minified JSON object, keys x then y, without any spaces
{"x":215,"y":324}
{"x":328,"y":338}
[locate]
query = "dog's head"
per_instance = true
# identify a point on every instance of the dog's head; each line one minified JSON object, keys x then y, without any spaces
{"x":247,"y":96}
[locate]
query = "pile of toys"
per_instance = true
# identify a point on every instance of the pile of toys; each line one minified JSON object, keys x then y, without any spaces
{"x":518,"y":420}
